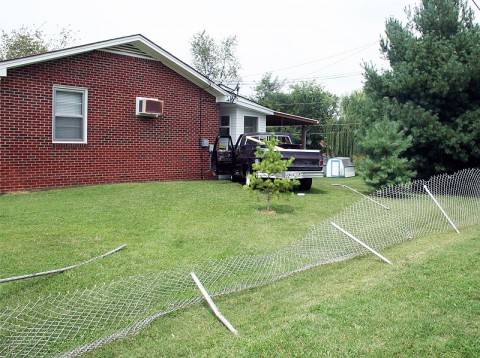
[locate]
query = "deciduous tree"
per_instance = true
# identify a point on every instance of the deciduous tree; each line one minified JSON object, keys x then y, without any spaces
{"x":307,"y":99}
{"x":26,"y":42}
{"x":217,"y":61}
{"x":269,"y":92}
{"x":270,"y":162}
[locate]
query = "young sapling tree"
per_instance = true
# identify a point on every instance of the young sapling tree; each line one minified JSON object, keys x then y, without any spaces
{"x":270,"y":162}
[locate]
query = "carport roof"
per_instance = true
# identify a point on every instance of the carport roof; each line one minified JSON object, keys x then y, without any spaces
{"x":280,"y":119}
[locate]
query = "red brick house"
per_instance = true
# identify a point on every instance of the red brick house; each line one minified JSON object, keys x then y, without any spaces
{"x":79,"y":116}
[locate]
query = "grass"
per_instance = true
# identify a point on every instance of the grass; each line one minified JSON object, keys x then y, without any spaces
{"x":163,"y":224}
{"x":426,"y":304}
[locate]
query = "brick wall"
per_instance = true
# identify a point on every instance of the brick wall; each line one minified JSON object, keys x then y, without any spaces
{"x":121,"y":146}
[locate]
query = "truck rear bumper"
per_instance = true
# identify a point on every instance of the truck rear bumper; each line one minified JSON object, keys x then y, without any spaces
{"x":293,"y":175}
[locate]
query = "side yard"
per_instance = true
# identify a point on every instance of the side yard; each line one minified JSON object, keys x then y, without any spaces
{"x":163,"y":224}
{"x":426,"y":304}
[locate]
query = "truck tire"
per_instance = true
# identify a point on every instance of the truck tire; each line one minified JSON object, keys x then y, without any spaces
{"x":235,"y":178}
{"x":305,"y":184}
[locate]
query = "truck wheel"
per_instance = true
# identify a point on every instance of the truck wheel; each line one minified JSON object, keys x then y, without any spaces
{"x":305,"y":184}
{"x":235,"y":178}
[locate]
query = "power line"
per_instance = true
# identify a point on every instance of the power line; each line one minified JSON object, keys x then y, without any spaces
{"x":323,"y":78}
{"x":297,"y":103}
{"x":338,"y":61}
{"x":326,"y":77}
{"x":476,"y":4}
{"x":360,"y":48}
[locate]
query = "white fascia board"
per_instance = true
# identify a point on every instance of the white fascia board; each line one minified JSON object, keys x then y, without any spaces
{"x":245,"y":103}
{"x":24,"y":61}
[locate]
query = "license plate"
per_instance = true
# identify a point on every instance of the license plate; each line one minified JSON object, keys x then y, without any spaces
{"x":291,"y":175}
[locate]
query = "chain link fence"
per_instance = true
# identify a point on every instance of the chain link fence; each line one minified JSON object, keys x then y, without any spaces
{"x":69,"y":324}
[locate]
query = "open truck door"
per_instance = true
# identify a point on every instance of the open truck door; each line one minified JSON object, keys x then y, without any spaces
{"x":223,"y":155}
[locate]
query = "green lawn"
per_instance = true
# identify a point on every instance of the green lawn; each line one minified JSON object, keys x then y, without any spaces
{"x":427,"y":303}
{"x":163,"y":224}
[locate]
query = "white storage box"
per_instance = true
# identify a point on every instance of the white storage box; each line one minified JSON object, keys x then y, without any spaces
{"x":340,"y":167}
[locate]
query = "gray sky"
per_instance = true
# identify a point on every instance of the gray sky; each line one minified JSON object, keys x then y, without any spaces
{"x":297,"y":40}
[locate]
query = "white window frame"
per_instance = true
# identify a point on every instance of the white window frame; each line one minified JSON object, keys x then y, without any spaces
{"x":84,"y":116}
{"x":255,"y":119}
{"x":225,"y":127}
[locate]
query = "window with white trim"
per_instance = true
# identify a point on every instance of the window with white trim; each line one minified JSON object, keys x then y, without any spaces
{"x":225,"y":125}
{"x":250,"y":124}
{"x":70,"y":114}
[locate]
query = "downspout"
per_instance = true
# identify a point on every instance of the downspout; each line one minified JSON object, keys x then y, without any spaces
{"x":200,"y":125}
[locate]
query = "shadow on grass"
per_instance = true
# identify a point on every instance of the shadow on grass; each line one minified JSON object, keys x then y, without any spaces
{"x":277,"y":209}
{"x":284,"y":209}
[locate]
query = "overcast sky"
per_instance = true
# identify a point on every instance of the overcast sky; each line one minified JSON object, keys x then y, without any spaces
{"x":305,"y":39}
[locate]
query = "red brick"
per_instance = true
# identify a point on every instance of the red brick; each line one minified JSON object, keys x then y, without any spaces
{"x":121,"y":147}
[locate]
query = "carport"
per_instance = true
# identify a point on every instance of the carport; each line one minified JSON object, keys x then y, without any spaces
{"x":280,"y":119}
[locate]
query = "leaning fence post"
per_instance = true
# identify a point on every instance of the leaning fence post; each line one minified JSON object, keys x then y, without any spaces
{"x":441,"y":209}
{"x":365,"y":196}
{"x":212,"y":305}
{"x":361,"y":243}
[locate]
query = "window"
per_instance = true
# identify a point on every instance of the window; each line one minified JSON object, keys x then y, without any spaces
{"x":69,"y":115}
{"x":250,"y":124}
{"x":225,"y":125}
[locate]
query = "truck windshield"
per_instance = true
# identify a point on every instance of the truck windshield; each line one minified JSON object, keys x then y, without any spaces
{"x":259,"y":139}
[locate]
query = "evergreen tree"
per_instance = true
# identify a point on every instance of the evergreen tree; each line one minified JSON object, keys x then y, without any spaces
{"x":432,"y":89}
{"x":383,"y":144}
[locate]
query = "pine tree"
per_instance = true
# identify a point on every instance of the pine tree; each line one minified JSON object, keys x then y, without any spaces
{"x":432,"y":88}
{"x":383,"y":146}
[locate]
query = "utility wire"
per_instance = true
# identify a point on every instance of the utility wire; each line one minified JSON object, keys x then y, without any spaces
{"x":361,"y":48}
{"x":334,"y":63}
{"x":476,"y":4}
{"x":326,"y":77}
{"x":323,"y":78}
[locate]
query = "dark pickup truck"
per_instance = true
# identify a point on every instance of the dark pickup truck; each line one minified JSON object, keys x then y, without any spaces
{"x":236,"y":160}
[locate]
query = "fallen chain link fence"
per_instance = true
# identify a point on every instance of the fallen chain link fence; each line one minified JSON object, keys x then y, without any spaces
{"x":69,"y":324}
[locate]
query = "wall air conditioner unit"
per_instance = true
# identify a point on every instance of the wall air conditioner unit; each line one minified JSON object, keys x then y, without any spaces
{"x":149,"y":107}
